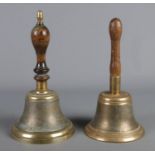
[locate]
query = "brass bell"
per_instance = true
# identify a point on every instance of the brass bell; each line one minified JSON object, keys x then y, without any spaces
{"x":114,"y":120}
{"x":42,"y":120}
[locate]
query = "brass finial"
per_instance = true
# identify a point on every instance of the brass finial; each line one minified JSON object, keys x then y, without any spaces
{"x":40,"y":17}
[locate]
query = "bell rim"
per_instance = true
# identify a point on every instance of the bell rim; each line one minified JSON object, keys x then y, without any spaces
{"x":42,"y":137}
{"x":114,"y":137}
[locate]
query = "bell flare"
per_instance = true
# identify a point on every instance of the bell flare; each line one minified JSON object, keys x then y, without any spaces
{"x":42,"y":120}
{"x":114,"y":120}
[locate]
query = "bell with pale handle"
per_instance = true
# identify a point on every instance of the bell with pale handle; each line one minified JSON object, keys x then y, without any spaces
{"x":114,"y":120}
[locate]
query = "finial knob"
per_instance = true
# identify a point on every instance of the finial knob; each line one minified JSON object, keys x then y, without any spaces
{"x":40,"y":17}
{"x":40,"y":38}
{"x":115,"y":29}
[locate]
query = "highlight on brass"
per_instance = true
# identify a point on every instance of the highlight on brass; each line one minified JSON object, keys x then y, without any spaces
{"x":114,"y":120}
{"x":42,"y":120}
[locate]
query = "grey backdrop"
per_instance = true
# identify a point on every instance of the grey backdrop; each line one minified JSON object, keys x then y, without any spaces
{"x":78,"y":56}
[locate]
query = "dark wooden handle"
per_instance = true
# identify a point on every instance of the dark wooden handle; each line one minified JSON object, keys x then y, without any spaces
{"x":40,"y":38}
{"x":115,"y":30}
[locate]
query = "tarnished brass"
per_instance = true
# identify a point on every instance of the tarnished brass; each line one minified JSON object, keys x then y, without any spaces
{"x":42,"y":120}
{"x":115,"y":84}
{"x":114,"y":120}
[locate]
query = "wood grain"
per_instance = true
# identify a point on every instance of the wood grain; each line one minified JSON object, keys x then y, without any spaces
{"x":40,"y":36}
{"x":115,"y":30}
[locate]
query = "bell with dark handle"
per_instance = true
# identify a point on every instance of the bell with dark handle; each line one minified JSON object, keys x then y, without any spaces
{"x":42,"y":120}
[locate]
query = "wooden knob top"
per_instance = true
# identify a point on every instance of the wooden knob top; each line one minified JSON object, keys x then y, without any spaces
{"x":40,"y":36}
{"x":115,"y":30}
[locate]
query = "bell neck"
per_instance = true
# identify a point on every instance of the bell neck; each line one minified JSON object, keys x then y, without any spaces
{"x":41,"y":86}
{"x":41,"y":83}
{"x":115,"y":85}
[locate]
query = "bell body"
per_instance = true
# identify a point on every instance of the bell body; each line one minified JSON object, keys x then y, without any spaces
{"x":114,"y":120}
{"x":42,"y":120}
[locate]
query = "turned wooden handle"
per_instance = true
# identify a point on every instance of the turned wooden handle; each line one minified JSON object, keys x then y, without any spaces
{"x":40,"y":38}
{"x":115,"y":30}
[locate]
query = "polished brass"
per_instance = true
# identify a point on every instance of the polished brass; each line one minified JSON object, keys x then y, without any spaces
{"x":42,"y":120}
{"x":40,"y":17}
{"x":114,"y":119}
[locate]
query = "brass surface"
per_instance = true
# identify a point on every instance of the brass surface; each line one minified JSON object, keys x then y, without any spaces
{"x":114,"y":120}
{"x":39,"y":17}
{"x":115,"y":84}
{"x":41,"y":86}
{"x":42,"y":120}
